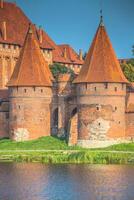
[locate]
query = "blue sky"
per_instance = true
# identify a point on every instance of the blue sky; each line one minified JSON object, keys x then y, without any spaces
{"x":75,"y":22}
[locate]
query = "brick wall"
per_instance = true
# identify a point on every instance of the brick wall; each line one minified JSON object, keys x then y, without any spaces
{"x":101,"y":111}
{"x":30,"y":112}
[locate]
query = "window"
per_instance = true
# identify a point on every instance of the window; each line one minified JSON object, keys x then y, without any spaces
{"x":115,"y":108}
{"x":41,"y":90}
{"x":97,"y":108}
{"x":25,"y":90}
{"x":95,"y":88}
{"x":106,"y":85}
{"x":115,"y":89}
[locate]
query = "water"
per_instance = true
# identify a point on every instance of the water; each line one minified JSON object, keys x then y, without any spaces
{"x":36,"y":181}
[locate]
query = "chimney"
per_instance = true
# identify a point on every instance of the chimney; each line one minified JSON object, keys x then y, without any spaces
{"x":80,"y":54}
{"x":1,"y":3}
{"x":40,"y":35}
{"x":65,"y":53}
{"x":4,"y":30}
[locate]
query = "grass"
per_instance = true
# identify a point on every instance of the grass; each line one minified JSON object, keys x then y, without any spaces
{"x":60,"y":157}
{"x":116,"y":154}
{"x":121,"y":147}
{"x":43,"y":143}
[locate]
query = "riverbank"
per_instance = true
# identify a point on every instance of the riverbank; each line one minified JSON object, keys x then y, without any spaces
{"x":53,"y":150}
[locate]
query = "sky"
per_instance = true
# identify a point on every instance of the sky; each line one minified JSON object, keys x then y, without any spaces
{"x":75,"y":22}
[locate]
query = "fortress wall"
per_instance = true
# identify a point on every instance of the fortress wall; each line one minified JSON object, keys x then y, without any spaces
{"x":30,"y":112}
{"x":8,"y":57}
{"x":4,"y":119}
{"x":130,"y":114}
{"x":101,"y":109}
{"x":130,"y":124}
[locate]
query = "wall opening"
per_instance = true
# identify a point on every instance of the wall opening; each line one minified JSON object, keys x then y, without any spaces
{"x":115,"y":89}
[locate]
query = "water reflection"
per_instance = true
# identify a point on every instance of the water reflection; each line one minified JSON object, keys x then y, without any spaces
{"x":66,"y":182}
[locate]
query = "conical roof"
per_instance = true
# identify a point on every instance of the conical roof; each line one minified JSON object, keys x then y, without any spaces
{"x":31,"y":68}
{"x":101,"y":63}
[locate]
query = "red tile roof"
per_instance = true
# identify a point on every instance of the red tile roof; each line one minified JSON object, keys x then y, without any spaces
{"x":31,"y":68}
{"x":101,"y":64}
{"x":17,"y":24}
{"x":71,"y":55}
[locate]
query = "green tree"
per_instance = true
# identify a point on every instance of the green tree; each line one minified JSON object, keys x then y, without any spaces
{"x":57,"y":69}
{"x":128,"y":70}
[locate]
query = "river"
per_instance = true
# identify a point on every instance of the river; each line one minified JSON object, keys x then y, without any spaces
{"x":34,"y":181}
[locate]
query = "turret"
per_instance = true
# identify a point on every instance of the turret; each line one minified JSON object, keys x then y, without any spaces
{"x":101,"y":91}
{"x":30,"y":89}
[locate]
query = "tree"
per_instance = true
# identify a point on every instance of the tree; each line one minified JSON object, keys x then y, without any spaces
{"x":57,"y":69}
{"x":128,"y":70}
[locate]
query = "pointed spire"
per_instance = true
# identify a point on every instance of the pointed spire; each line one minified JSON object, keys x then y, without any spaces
{"x":31,"y":68}
{"x":80,"y":54}
{"x":65,"y":53}
{"x":30,"y":31}
{"x":4,"y":30}
{"x":101,"y":18}
{"x":101,"y":64}
{"x":40,"y":35}
{"x":1,"y":3}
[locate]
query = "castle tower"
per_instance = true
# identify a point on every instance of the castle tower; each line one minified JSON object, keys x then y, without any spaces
{"x":30,"y":93}
{"x":101,"y":91}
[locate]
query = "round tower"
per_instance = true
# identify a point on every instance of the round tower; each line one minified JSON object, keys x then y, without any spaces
{"x":101,"y":91}
{"x":30,"y":93}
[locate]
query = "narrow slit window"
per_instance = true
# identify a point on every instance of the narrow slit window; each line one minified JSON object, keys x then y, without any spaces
{"x":115,"y":89}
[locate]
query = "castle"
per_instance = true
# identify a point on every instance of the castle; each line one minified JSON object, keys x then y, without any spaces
{"x":94,"y":109}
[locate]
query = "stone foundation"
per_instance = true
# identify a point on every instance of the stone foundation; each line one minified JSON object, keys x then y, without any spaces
{"x":100,"y":144}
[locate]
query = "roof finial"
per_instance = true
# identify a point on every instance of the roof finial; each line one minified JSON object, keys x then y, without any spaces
{"x":30,"y":28}
{"x":101,"y":18}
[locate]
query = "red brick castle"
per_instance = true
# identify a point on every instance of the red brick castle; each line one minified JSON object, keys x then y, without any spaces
{"x":94,"y":109}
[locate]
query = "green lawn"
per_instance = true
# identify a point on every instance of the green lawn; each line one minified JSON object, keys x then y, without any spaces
{"x":43,"y":143}
{"x":53,"y":143}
